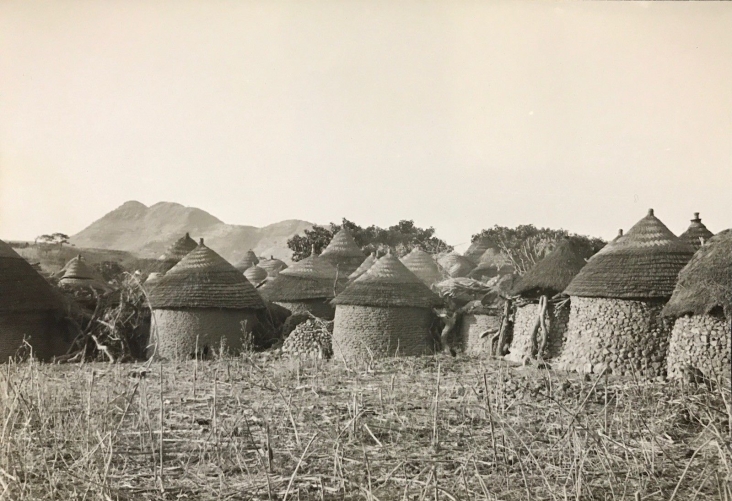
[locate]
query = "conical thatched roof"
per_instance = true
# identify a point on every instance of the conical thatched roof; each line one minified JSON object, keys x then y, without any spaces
{"x":250,"y":259}
{"x":388,"y":283}
{"x":706,"y":282}
{"x":343,"y":252}
{"x":179,"y":249}
{"x":272,"y":266}
{"x":456,"y":265}
{"x":79,"y":274}
{"x":255,"y":274}
{"x":553,"y":274}
{"x":311,"y":278}
{"x":477,"y":248}
{"x":696,"y":233}
{"x":153,"y":278}
{"x":642,"y":264}
{"x":203,"y":279}
{"x":367,"y":263}
{"x":21,"y":287}
{"x":491,"y":263}
{"x":423,"y":266}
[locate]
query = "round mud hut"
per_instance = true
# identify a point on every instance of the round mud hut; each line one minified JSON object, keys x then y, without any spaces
{"x":424,"y":266}
{"x":177,"y":251}
{"x":343,"y":253}
{"x":30,"y":309}
{"x":272,"y":266}
{"x":201,"y":305}
{"x":387,"y":311}
{"x":455,"y":265}
{"x":250,"y":259}
{"x":256,"y":275}
{"x":540,"y":318}
{"x":306,"y":287}
{"x":616,"y":301}
{"x":702,"y":308}
{"x":696,"y":234}
{"x":492,"y":263}
{"x":367,"y":263}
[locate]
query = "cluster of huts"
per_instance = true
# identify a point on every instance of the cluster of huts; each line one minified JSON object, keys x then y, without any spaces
{"x":649,"y":303}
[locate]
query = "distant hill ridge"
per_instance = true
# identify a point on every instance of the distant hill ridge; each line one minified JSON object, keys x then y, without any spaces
{"x":148,"y":231}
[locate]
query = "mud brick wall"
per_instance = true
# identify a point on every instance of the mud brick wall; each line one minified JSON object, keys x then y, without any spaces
{"x":472,"y":326}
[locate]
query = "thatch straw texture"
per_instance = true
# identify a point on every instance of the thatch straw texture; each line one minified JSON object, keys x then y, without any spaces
{"x":424,"y":266}
{"x":343,"y":252}
{"x":21,"y":287}
{"x":272,"y":266}
{"x":153,"y":278}
{"x":696,"y":233}
{"x":705,"y":282}
{"x":255,"y":274}
{"x":311,"y":278}
{"x":388,"y":283}
{"x":203,"y":279}
{"x":455,"y":265}
{"x":477,"y":248}
{"x":553,"y":274}
{"x":643,"y":263}
{"x":492,"y":263}
{"x":250,"y":259}
{"x":79,"y":274}
{"x":177,"y":251}
{"x":367,"y":263}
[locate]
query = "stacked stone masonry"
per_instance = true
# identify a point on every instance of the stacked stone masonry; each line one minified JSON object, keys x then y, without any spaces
{"x":312,"y":338}
{"x":702,"y":342}
{"x":557,"y":320}
{"x":471,"y":329}
{"x":628,"y":337}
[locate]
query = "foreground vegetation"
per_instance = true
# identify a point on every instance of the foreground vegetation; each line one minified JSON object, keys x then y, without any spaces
{"x":258,"y":427}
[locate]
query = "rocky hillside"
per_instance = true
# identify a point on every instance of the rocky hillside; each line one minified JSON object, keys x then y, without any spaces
{"x":147,"y":231}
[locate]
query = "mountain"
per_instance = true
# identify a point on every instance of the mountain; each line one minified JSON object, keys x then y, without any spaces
{"x":148,"y":231}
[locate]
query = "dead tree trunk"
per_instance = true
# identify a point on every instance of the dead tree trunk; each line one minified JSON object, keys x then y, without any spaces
{"x":537,"y":346}
{"x":505,"y":326}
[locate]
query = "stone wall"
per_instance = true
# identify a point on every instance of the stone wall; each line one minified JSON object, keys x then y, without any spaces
{"x":472,"y":326}
{"x":629,"y":337}
{"x":321,"y":308}
{"x":557,"y":319}
{"x":44,"y":330}
{"x":366,"y":331}
{"x":175,"y":331}
{"x":702,"y":342}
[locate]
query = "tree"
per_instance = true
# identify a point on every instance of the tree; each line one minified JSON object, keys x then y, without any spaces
{"x":526,"y":244}
{"x":53,"y":238}
{"x":399,"y":238}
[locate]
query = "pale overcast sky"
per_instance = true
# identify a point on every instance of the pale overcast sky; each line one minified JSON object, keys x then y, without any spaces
{"x":457,"y":114}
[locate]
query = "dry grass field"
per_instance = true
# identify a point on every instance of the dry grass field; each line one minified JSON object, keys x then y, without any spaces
{"x":430,"y":428}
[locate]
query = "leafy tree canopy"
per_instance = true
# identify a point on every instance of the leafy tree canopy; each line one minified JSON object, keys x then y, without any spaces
{"x":53,"y":238}
{"x":400,"y":238}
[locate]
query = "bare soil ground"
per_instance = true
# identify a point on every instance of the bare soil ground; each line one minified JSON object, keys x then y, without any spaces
{"x":258,"y":427}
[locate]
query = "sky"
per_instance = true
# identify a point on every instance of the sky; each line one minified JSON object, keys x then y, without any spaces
{"x":455,"y":114}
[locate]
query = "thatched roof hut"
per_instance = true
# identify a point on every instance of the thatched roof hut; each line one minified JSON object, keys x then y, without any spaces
{"x":702,"y":308}
{"x":478,"y":247}
{"x":177,"y":251}
{"x":343,"y":252}
{"x":29,"y":309}
{"x":250,"y":259}
{"x":78,"y":274}
{"x":152,"y":279}
{"x":201,"y":304}
{"x":386,"y":311}
{"x":364,"y":267}
{"x":272,"y":266}
{"x":492,"y":263}
{"x":423,"y":265}
{"x":696,"y":233}
{"x":255,"y":274}
{"x":455,"y":265}
{"x":617,"y":298}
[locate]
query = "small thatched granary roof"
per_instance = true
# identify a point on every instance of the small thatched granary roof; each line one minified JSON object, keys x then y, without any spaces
{"x":250,"y":259}
{"x":178,"y":249}
{"x":696,"y":233}
{"x":423,"y":265}
{"x":79,"y":274}
{"x":642,"y":264}
{"x":477,"y":248}
{"x":492,"y":263}
{"x":255,"y":274}
{"x":455,"y":265}
{"x":22,"y":289}
{"x":553,"y":274}
{"x":706,"y":282}
{"x":311,"y":278}
{"x":343,"y":252}
{"x":203,"y":279}
{"x":272,"y":266}
{"x":367,"y":263}
{"x":388,"y":283}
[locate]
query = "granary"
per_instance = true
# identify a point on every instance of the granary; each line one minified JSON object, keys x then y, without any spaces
{"x":201,"y":305}
{"x":616,"y":302}
{"x":343,"y":253}
{"x":423,"y":265}
{"x":480,"y":324}
{"x":306,"y":287}
{"x":477,"y":248}
{"x":250,"y":259}
{"x":364,"y":267}
{"x":540,"y":318}
{"x":702,"y":308}
{"x":176,"y":252}
{"x":272,"y":266}
{"x":30,"y":309}
{"x":79,"y":275}
{"x":256,"y":275}
{"x":387,"y":311}
{"x":696,"y":233}
{"x":455,"y":265}
{"x":492,"y":263}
